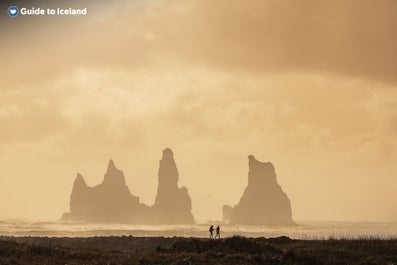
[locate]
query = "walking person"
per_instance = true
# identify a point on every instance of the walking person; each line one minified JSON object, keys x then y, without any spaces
{"x":211,"y":231}
{"x":218,"y":232}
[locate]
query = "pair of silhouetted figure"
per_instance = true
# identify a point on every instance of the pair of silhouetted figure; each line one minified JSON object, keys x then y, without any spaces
{"x":217,"y":230}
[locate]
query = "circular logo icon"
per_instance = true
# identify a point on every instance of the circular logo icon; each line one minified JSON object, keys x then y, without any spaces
{"x":13,"y":11}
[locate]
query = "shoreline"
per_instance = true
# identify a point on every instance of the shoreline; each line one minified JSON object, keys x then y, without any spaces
{"x":304,"y":230}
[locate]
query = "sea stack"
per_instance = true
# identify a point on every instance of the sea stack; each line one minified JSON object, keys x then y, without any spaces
{"x":172,"y":204}
{"x":263,"y":201}
{"x":110,"y":201}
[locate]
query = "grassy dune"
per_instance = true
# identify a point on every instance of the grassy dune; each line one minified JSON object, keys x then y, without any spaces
{"x":161,"y":250}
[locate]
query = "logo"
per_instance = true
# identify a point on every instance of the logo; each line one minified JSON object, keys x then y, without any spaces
{"x":13,"y":11}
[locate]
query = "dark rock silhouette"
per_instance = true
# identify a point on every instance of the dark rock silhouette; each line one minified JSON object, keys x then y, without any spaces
{"x":112,"y":201}
{"x":172,"y":204}
{"x":263,"y":201}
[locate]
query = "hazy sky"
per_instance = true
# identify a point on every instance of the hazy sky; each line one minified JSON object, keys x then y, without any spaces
{"x":308,"y":85}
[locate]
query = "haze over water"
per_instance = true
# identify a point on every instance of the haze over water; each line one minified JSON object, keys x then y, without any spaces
{"x":310,"y":86}
{"x":304,"y":230}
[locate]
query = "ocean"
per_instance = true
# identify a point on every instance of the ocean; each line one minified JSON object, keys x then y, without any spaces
{"x":303,"y":230}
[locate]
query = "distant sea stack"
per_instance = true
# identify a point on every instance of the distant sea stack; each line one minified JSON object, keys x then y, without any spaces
{"x":173,"y":204}
{"x":263,"y":201}
{"x":112,"y":202}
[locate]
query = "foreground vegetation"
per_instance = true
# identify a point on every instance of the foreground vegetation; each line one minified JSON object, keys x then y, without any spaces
{"x":160,"y":250}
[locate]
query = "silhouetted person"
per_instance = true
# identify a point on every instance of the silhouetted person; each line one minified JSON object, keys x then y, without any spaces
{"x":218,"y":232}
{"x":211,"y":231}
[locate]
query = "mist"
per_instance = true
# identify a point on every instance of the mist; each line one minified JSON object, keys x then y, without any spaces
{"x":309,"y":86}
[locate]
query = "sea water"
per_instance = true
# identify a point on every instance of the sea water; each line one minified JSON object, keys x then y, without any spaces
{"x":303,"y":230}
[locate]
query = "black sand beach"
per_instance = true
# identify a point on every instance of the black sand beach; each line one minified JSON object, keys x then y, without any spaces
{"x":178,"y":250}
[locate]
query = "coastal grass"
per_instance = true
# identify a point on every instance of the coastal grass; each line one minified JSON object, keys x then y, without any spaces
{"x":179,"y":250}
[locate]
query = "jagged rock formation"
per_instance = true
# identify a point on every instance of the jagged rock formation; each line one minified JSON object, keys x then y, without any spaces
{"x":173,"y":204}
{"x":112,"y":201}
{"x":263,"y":201}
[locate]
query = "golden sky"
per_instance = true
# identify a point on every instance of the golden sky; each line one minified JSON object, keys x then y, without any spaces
{"x":308,"y":85}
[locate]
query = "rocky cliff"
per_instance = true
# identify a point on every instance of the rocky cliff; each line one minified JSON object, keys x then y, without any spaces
{"x":173,"y":204}
{"x":112,"y":201}
{"x":263,"y":201}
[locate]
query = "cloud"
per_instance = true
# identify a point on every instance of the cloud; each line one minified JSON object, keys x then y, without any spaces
{"x":350,"y":38}
{"x":308,"y":85}
{"x":30,"y":114}
{"x":303,"y":122}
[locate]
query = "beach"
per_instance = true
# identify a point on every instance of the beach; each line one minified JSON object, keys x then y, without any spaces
{"x":179,"y":250}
